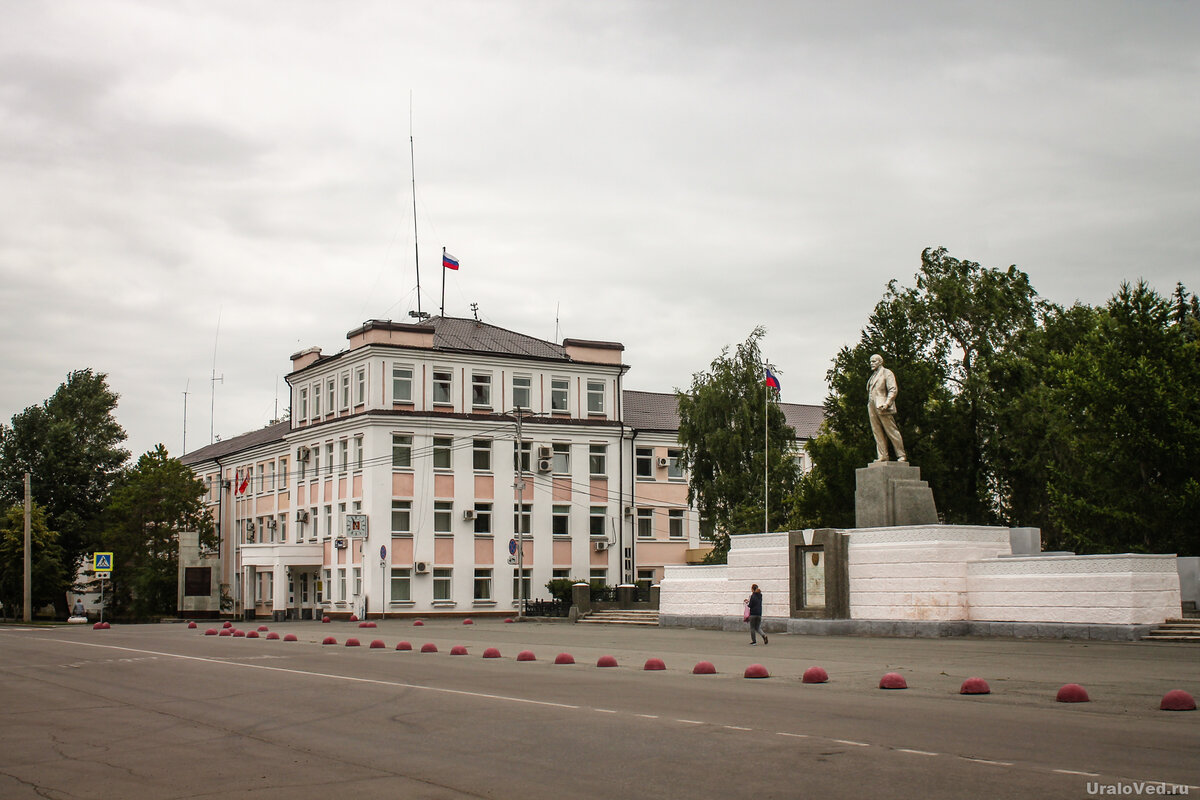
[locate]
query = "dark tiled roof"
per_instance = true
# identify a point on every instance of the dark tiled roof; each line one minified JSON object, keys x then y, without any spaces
{"x":453,"y":333}
{"x":658,"y":411}
{"x":267,"y":435}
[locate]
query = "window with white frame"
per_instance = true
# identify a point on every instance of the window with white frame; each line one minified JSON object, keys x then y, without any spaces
{"x":358,"y":581}
{"x":483,"y":584}
{"x":598,"y":460}
{"x":443,"y":384}
{"x":522,"y":391}
{"x":341,"y":518}
{"x":283,"y":474}
{"x":401,"y":589}
{"x":675,"y":523}
{"x":341,"y":584}
{"x":674,"y":468}
{"x":483,"y":518}
{"x":316,"y":457}
{"x":522,"y":517}
{"x":643,"y":465}
{"x":595,"y":397}
{"x":330,"y":395}
{"x":442,"y":583}
{"x":522,"y":580}
{"x":316,"y":399}
{"x":522,"y":453}
{"x":360,"y":386}
{"x":481,"y":455}
{"x":598,"y":577}
{"x":262,"y":478}
{"x":561,"y":573}
{"x":281,"y":527}
{"x":596,"y":519}
{"x":264,"y":586}
{"x":402,"y":379}
{"x":314,"y":521}
{"x":481,"y":390}
{"x":358,"y":452}
{"x":560,"y":521}
{"x":401,"y":516}
{"x":345,"y":390}
{"x":329,"y":458}
{"x":645,"y":522}
{"x":303,"y":403}
{"x":560,"y":389}
{"x":343,"y":455}
{"x":402,"y":444}
{"x":561,"y":461}
{"x":270,"y":476}
{"x":442,"y":448}
{"x":443,"y":515}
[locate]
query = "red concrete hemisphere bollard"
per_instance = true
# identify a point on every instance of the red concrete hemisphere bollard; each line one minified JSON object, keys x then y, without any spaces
{"x":1072,"y":693}
{"x":324,"y":620}
{"x":263,"y":629}
{"x":352,"y":643}
{"x":508,"y":619}
{"x":291,"y":637}
{"x":654,"y":665}
{"x":226,"y":632}
{"x":606,"y":661}
{"x":893,"y":680}
{"x":704,"y":668}
{"x":418,"y":623}
{"x":491,"y":652}
{"x":211,"y":632}
{"x":272,"y":635}
{"x":354,"y":617}
{"x":458,"y":650}
{"x":329,"y":640}
{"x":526,"y":655}
{"x":226,"y":624}
{"x":99,"y":626}
{"x":367,"y":625}
{"x":191,"y":625}
{"x":106,"y":625}
{"x":404,"y":646}
{"x":1177,"y":700}
{"x":564,"y":658}
{"x":239,"y":634}
{"x":429,"y":647}
{"x":252,"y":634}
{"x":756,"y":671}
{"x":377,"y":644}
{"x":815,"y":675}
{"x":975,"y":686}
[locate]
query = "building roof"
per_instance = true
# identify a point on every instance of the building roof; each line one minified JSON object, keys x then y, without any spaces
{"x":472,"y":336}
{"x":267,"y":435}
{"x":659,"y":411}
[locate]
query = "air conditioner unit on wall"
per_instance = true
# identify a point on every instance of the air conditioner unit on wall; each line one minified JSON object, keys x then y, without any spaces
{"x":271,"y":523}
{"x":340,"y":543}
{"x":302,"y":453}
{"x":629,"y":511}
{"x":421,"y":567}
{"x":663,"y":462}
{"x":544,"y":451}
{"x":301,"y":516}
{"x":469,"y":514}
{"x":601,"y":546}
{"x":249,"y":526}
{"x":543,"y":465}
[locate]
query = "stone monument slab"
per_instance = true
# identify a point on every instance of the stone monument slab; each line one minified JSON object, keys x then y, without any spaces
{"x":890,"y":493}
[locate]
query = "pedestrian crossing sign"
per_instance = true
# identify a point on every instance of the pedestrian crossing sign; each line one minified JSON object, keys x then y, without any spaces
{"x":102,"y":562}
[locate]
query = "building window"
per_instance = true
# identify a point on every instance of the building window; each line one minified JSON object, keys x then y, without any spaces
{"x":560,"y":522}
{"x":483,"y":517}
{"x":316,"y":457}
{"x":481,"y":455}
{"x":262,"y":478}
{"x":522,"y":580}
{"x":443,"y":514}
{"x":674,"y":468}
{"x":358,"y":581}
{"x":360,"y":387}
{"x":522,"y":517}
{"x":270,"y":476}
{"x":283,"y":474}
{"x":304,"y":404}
{"x":645,"y":522}
{"x":329,"y":458}
{"x":442,"y":384}
{"x":559,"y":392}
{"x":197,"y":581}
{"x":303,"y":462}
{"x":345,"y":390}
{"x":561,"y":463}
{"x":264,"y":586}
{"x":522,"y":452}
{"x":328,"y":521}
{"x":598,"y":577}
{"x":595,"y":397}
{"x":401,"y":451}
{"x":401,"y":516}
{"x":401,"y":586}
{"x":324,"y":586}
{"x":281,"y":527}
{"x":344,"y":453}
{"x":598,"y":460}
{"x":481,"y":391}
{"x":401,"y":384}
{"x":644,"y":462}
{"x":483,"y":584}
{"x":316,"y":398}
{"x":522,"y":391}
{"x":675,"y":523}
{"x":596,"y":520}
{"x":441,"y":451}
{"x":342,"y":583}
{"x":442,"y":577}
{"x":561,"y":573}
{"x":314,"y":520}
{"x":358,"y":452}
{"x":330,"y":395}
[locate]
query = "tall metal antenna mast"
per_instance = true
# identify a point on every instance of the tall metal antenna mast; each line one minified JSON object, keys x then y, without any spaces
{"x":212,"y":410}
{"x":186,"y":386}
{"x":413,"y":164}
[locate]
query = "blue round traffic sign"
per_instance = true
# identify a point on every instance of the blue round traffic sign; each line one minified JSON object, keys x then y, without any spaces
{"x":512,"y":547}
{"x":383,"y":551}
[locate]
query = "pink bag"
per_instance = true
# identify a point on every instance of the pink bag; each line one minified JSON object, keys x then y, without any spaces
{"x":746,"y":611}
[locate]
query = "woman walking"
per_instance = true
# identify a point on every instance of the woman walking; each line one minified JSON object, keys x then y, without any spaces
{"x":755,"y":606}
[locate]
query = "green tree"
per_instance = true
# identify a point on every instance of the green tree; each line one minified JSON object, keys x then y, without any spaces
{"x":70,"y":445}
{"x":46,"y":569}
{"x":721,"y":430}
{"x":940,"y":338}
{"x":154,"y":502}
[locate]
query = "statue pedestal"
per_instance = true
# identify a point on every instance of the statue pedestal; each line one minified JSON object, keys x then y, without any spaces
{"x":891,"y":493}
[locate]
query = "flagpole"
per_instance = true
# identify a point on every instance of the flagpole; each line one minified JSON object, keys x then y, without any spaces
{"x":443,"y":311}
{"x":766,"y":456}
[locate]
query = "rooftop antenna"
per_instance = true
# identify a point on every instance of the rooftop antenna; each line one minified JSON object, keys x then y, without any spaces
{"x":413,"y":164}
{"x":475,"y":311}
{"x":212,"y":410}
{"x":557,"y":306}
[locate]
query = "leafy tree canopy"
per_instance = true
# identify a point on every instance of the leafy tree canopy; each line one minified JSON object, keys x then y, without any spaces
{"x":725,"y":422}
{"x":47,"y":575}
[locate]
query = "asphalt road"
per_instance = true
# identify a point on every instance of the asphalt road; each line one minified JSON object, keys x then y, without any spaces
{"x":165,"y":712}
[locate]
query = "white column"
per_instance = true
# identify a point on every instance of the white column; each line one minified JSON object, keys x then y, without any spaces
{"x":279,"y":593}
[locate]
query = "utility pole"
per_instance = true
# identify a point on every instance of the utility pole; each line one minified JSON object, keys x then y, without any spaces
{"x":28,"y":617}
{"x":518,"y":519}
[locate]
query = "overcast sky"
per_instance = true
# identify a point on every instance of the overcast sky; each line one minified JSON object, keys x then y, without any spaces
{"x":663,"y":174}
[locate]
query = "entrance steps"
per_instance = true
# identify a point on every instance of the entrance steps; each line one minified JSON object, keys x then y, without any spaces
{"x":622,"y":617}
{"x":1175,"y":630}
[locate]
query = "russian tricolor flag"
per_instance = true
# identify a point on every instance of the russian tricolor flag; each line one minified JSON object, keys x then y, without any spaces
{"x":449,"y":261}
{"x":772,"y":381}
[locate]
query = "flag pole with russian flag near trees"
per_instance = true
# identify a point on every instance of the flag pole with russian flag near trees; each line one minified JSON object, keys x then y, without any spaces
{"x":448,"y":262}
